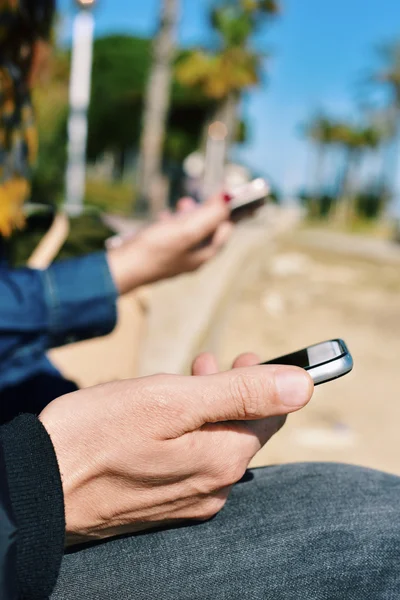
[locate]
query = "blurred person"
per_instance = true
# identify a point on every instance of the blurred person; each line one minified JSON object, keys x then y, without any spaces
{"x":76,"y":299}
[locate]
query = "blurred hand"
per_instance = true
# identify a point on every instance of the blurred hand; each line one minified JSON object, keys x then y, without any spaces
{"x":177,"y":243}
{"x":163,"y":449}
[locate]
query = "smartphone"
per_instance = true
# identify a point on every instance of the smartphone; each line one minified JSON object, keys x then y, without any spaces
{"x":324,"y":362}
{"x":248,"y":198}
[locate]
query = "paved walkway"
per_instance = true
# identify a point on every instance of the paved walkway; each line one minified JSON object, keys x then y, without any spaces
{"x":183,"y":310}
{"x":352,"y":245}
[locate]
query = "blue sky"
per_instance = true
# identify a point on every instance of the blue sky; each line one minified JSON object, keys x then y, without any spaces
{"x":321,"y":48}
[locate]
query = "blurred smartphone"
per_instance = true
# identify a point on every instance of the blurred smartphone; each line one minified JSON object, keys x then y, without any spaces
{"x":325,"y":361}
{"x":248,"y":198}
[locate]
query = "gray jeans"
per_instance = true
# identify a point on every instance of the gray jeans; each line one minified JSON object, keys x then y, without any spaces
{"x":295,"y":532}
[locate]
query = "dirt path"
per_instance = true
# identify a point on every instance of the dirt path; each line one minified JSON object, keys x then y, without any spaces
{"x":301,"y":295}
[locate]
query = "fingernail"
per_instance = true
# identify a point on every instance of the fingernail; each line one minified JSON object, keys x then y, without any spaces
{"x":293,"y":386}
{"x":227,"y":197}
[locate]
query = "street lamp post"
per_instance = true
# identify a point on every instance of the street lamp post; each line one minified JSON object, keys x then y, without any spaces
{"x":79,"y":98}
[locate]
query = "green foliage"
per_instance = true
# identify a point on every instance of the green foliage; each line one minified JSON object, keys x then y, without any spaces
{"x":113,"y":196}
{"x":318,"y":208}
{"x":49,"y":173}
{"x":389,"y":74}
{"x":321,"y":129}
{"x":51,"y":104}
{"x":235,"y":65}
{"x":370,"y":204}
{"x":236,"y":21}
{"x":327,"y":131}
{"x":120,"y":68}
{"x":121,"y":65}
{"x":234,"y":24}
{"x":354,"y":140}
{"x":88,"y":234}
{"x":217,"y":75}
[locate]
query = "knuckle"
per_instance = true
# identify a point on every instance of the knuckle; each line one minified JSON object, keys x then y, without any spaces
{"x":226,"y":474}
{"x":188,"y":233}
{"x":194,"y":264}
{"x":248,"y":392}
{"x":233,"y":473}
{"x":211,"y":507}
{"x":209,"y":484}
{"x":158,"y":397}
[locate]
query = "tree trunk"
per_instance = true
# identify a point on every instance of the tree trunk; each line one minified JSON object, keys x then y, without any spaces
{"x":345,"y":210}
{"x":318,"y":180}
{"x":393,"y":160}
{"x":157,"y":103}
{"x":119,"y":164}
{"x":227,"y":112}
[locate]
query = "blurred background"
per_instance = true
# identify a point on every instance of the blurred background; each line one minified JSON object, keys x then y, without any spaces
{"x":310,"y":94}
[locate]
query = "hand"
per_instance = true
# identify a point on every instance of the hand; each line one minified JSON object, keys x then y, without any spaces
{"x":173,"y":245}
{"x":206,"y":364}
{"x":163,"y":449}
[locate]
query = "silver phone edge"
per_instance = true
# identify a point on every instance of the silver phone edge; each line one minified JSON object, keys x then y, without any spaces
{"x":331,"y":370}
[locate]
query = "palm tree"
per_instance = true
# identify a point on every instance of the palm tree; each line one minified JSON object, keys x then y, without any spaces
{"x":354,"y":140}
{"x":321,"y":130}
{"x":388,"y":78}
{"x":223,"y":75}
{"x":151,"y":191}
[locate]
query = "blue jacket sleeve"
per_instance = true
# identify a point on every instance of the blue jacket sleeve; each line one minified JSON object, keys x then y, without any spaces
{"x":72,"y":300}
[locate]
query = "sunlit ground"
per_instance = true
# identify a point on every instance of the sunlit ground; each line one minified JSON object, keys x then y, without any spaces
{"x":299,"y":296}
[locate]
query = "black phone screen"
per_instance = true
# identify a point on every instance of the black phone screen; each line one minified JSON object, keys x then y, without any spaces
{"x":313,"y":355}
{"x":245,"y":210}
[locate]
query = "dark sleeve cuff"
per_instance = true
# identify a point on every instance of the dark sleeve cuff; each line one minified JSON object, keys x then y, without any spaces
{"x":81,"y":297}
{"x":37,"y":500}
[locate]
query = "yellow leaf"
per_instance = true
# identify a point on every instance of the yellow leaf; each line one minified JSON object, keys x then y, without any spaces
{"x":13,"y":194}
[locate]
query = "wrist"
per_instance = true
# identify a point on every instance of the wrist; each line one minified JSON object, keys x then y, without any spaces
{"x":72,"y":467}
{"x":127,"y":266}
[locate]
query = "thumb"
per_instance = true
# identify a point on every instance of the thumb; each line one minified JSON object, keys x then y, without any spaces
{"x":203,"y":222}
{"x":249,"y":393}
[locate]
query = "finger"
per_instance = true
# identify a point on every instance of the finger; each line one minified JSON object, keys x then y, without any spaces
{"x":221,"y":444}
{"x":200,"y":224}
{"x":255,"y":393}
{"x":222,"y":235}
{"x":205,"y":364}
{"x":202,"y":256}
{"x":244,"y":394}
{"x":211,"y":245}
{"x":164,"y":215}
{"x":186,"y":204}
{"x":262,"y":431}
{"x":244,"y":214}
{"x":249,"y":437}
{"x":248,"y":359}
{"x":216,"y":199}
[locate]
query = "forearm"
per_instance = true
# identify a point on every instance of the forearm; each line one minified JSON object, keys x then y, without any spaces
{"x":81,"y":298}
{"x":73,"y":299}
